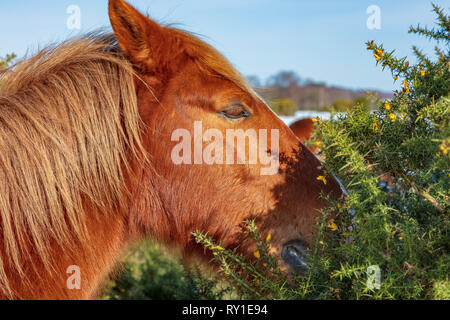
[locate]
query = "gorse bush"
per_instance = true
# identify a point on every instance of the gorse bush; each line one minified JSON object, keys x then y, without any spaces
{"x":342,"y":105}
{"x":7,"y":61}
{"x":395,"y":162}
{"x":395,"y":220}
{"x":151,"y":272}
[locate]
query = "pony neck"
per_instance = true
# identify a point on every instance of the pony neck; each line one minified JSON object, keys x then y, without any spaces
{"x":108,"y":237}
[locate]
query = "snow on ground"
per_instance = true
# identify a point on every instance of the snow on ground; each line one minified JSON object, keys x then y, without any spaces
{"x":302,"y":114}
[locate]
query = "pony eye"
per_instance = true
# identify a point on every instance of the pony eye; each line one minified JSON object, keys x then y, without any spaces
{"x":235,"y":112}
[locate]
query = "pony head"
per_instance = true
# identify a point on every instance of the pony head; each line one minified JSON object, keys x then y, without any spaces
{"x":217,"y":155}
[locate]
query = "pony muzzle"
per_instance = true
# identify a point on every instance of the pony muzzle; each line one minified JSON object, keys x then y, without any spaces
{"x":294,"y":256}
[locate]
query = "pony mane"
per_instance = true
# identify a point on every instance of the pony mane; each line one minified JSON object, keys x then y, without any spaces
{"x":68,"y":120}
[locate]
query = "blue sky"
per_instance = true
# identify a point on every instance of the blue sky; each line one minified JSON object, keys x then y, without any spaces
{"x":322,"y":40}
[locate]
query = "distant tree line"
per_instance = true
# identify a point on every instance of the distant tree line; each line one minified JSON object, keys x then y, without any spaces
{"x":286,"y":93}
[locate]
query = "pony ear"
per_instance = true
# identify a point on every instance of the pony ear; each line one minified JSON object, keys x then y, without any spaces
{"x":135,"y":33}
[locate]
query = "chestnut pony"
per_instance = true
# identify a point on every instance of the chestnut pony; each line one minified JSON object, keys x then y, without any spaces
{"x":86,"y":167}
{"x":303,"y":129}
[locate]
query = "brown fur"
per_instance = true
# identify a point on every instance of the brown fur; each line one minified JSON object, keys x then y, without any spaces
{"x":85,"y":162}
{"x":304,"y":129}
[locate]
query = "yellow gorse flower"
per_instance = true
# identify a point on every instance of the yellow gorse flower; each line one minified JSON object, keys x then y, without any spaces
{"x":219,"y":248}
{"x":322,"y":178}
{"x":332,"y":225}
{"x":378,"y":55}
{"x":392,"y":116}
{"x":319,"y":144}
{"x":257,"y":254}
{"x":422,"y":72}
{"x":444,"y":149}
{"x":269,"y":237}
{"x":406,"y":86}
{"x":406,"y":64}
{"x":387,"y":106}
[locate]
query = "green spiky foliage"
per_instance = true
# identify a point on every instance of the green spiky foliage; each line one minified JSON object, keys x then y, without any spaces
{"x":395,"y":164}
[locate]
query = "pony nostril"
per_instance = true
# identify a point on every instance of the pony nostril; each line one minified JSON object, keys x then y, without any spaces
{"x":294,"y":255}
